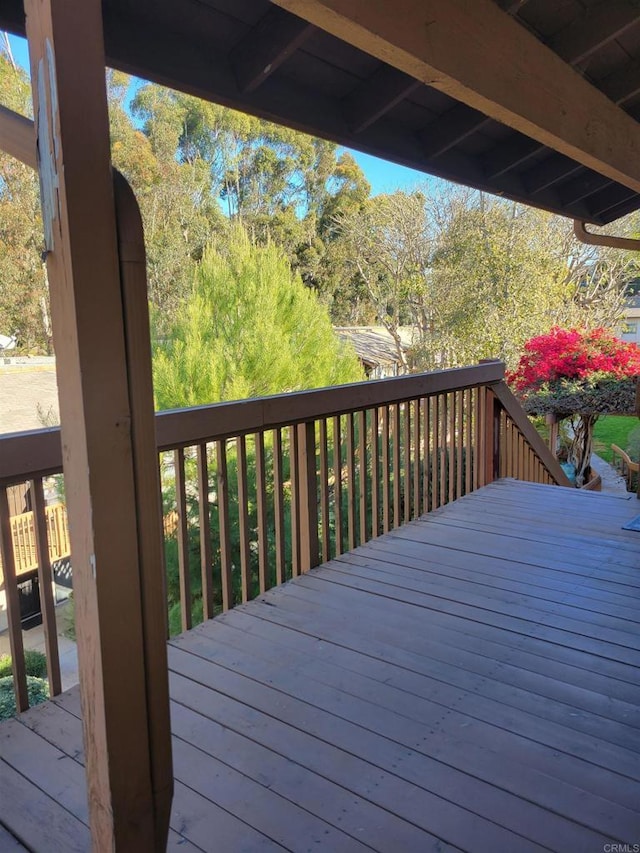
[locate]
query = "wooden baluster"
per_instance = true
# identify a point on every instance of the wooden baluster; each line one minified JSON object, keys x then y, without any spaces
{"x":478,"y":450}
{"x":324,"y":490}
{"x":444,"y":447}
{"x":183,"y":540}
{"x":278,"y":507}
{"x":406,"y":433}
{"x":337,"y":484}
{"x":492,"y":436}
{"x":416,"y":459}
{"x":426,"y":450}
{"x":309,"y":545}
{"x":459,"y":395}
{"x":226,"y":582}
{"x":45,"y":580}
{"x":13,"y":605}
{"x":397,"y":471}
{"x":375,"y":473}
{"x":206,"y":557}
{"x":261,"y":510}
{"x":435,"y":454}
{"x":243,"y":519}
{"x":362,"y":476}
{"x":351,"y":484}
{"x":468,"y":467}
{"x":386,"y":483}
{"x":294,"y":505}
{"x":451,"y":446}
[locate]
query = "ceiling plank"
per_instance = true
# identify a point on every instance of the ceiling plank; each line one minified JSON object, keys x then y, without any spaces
{"x":550,"y":171}
{"x":608,"y":198}
{"x":451,"y":128}
{"x":376,"y":96}
{"x":581,"y":187}
{"x":462,"y":49}
{"x":620,"y":210}
{"x":510,"y":154}
{"x":274,"y":38}
{"x":511,"y":6}
{"x":623,"y":84}
{"x":600,"y":25}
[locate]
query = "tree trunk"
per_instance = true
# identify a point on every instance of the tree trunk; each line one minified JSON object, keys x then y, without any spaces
{"x":581,"y":445}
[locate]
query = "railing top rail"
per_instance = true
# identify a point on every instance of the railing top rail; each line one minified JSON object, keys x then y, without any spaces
{"x":38,"y":453}
{"x":222,"y":420}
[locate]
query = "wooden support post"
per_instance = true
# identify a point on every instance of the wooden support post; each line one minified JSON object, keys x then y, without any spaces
{"x":492,"y":437}
{"x":308,"y":494}
{"x":552,"y":423}
{"x":107,"y":435}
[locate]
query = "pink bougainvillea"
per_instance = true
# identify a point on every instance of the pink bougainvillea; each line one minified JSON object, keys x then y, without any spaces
{"x":574,"y":354}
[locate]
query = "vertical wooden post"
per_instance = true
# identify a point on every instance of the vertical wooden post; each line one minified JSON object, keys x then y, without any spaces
{"x":552,"y":423}
{"x":13,"y":604}
{"x":107,"y":421}
{"x":308,"y":494}
{"x":492,"y":437}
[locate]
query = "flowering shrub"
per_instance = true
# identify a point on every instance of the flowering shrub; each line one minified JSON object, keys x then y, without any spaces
{"x":579,"y":375}
{"x":565,"y":354}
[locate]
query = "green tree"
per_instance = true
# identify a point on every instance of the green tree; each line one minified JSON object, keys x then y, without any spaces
{"x":248,"y":328}
{"x":24,"y":305}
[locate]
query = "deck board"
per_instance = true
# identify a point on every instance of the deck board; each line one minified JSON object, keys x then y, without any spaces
{"x":467,"y":682}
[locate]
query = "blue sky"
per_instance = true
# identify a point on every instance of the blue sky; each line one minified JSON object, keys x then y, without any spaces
{"x":383,"y":177}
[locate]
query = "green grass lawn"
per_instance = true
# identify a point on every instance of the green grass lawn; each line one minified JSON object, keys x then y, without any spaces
{"x":613,"y":429}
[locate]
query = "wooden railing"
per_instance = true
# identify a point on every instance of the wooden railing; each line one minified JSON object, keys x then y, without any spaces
{"x":259,"y":491}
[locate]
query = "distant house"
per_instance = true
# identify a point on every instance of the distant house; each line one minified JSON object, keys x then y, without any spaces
{"x":631,"y":325}
{"x":376,"y":348}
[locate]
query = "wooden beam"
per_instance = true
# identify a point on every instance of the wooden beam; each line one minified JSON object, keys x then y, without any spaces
{"x":17,"y":137}
{"x":376,"y":96}
{"x":275,"y":37}
{"x":479,"y":55}
{"x":599,"y":26}
{"x":448,"y":130}
{"x":99,"y":424}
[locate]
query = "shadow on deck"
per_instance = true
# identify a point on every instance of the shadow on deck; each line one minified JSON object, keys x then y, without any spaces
{"x":469,"y":681}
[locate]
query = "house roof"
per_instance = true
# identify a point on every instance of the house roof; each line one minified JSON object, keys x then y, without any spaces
{"x":257,"y":57}
{"x":374,"y":345}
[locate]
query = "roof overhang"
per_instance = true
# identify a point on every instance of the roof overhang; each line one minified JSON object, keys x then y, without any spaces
{"x":532,"y":100}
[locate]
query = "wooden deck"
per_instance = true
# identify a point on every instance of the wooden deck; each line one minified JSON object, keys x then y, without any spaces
{"x":468,"y":682}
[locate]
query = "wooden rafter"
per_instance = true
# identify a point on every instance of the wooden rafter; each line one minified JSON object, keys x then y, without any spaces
{"x":540,"y":95}
{"x":509,"y":154}
{"x":447,"y":131}
{"x":376,"y":96}
{"x":608,"y":198}
{"x":273,"y":39}
{"x":623,"y":84}
{"x":550,"y":171}
{"x":582,"y":186}
{"x":600,"y":25}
